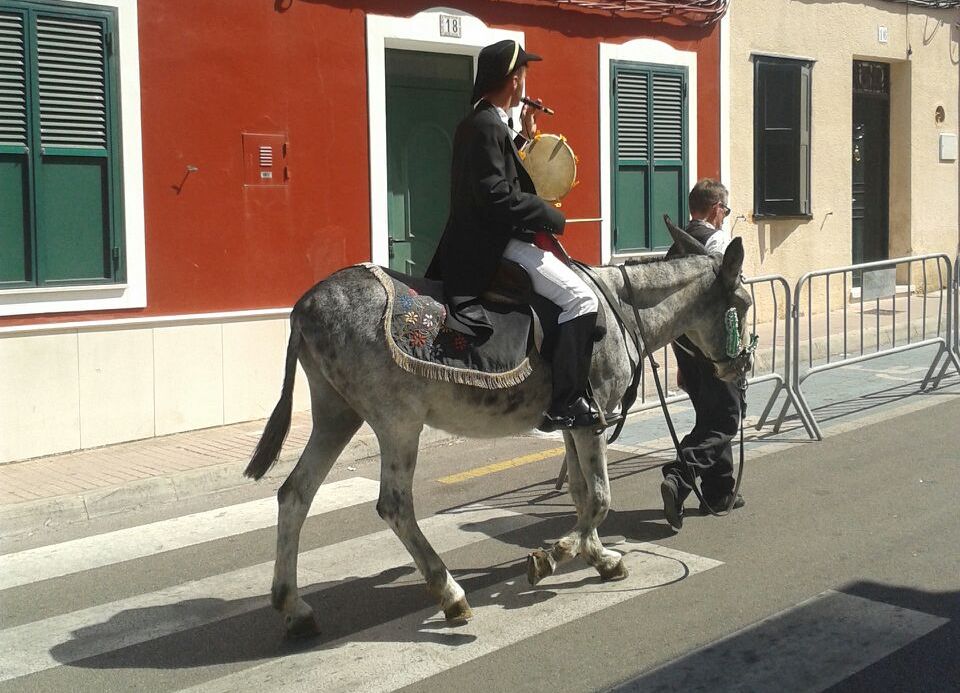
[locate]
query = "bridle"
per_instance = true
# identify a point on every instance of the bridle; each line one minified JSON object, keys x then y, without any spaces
{"x":738,"y":353}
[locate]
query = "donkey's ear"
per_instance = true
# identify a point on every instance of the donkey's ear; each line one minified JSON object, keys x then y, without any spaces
{"x":687,"y":244}
{"x":732,"y":262}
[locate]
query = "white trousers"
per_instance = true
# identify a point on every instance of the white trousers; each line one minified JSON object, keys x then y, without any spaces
{"x":553,"y":280}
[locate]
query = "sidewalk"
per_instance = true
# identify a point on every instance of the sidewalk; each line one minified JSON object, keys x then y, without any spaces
{"x":75,"y":487}
{"x":78,"y":486}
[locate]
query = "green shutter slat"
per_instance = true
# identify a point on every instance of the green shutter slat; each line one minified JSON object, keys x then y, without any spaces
{"x":667,"y":116}
{"x":13,"y":82}
{"x":632,"y":117}
{"x":71,"y":56}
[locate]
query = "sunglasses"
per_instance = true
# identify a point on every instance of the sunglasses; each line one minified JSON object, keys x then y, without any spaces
{"x":726,"y":210}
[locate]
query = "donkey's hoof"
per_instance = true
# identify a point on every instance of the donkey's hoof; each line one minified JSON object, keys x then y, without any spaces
{"x":458,"y":611}
{"x":617,"y":572}
{"x":302,"y":627}
{"x":538,"y":566}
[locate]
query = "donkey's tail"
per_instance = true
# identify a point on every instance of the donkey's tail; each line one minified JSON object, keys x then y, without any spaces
{"x":268,"y":449}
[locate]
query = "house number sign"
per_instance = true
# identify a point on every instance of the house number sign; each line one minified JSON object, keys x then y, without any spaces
{"x":450,"y":26}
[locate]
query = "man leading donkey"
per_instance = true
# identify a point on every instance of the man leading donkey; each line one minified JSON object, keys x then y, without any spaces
{"x":494,"y":213}
{"x":707,"y":448}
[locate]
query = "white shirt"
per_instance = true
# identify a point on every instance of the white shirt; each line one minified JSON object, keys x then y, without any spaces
{"x":719,"y":240}
{"x":504,"y":116}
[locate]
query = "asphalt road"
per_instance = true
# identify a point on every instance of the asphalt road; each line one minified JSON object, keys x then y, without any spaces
{"x":841,"y":573}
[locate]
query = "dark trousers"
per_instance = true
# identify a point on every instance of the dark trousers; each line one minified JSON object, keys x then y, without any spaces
{"x":707,"y":449}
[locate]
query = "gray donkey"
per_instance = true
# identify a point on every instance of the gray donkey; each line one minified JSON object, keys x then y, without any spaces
{"x":337,"y":333}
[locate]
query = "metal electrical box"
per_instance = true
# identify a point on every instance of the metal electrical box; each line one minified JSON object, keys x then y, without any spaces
{"x":948,"y":147}
{"x":265,"y":159}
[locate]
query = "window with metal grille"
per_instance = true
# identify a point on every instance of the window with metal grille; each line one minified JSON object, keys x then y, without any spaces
{"x":782,"y":95}
{"x":650,"y":153}
{"x":59,"y":147}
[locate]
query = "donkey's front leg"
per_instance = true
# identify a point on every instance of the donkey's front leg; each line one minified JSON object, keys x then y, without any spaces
{"x":398,"y":459}
{"x":592,"y":454}
{"x":590,"y":488}
{"x":540,"y":563}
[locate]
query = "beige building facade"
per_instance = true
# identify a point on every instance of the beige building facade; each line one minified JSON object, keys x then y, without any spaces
{"x":842,"y":130}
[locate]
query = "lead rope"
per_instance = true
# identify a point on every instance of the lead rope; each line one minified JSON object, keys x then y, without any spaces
{"x":687,"y":472}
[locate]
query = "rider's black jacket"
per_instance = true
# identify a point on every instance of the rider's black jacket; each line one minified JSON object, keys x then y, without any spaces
{"x":492,"y":199}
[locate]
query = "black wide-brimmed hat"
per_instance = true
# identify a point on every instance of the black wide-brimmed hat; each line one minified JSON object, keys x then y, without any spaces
{"x":495,"y":62}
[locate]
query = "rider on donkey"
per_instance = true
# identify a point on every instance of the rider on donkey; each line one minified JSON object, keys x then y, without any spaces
{"x":494,"y":213}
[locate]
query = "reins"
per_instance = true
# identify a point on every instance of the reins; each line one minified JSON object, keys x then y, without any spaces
{"x":630,"y":394}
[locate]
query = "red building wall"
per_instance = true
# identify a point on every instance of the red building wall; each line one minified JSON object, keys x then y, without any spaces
{"x":211,"y":70}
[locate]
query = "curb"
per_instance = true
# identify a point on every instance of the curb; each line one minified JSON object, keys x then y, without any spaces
{"x":28,"y":517}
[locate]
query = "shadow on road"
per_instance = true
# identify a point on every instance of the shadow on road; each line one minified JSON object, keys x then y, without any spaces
{"x":864,"y":636}
{"x":249,"y":630}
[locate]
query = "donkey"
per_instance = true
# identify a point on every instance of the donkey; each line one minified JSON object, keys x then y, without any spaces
{"x":336,"y":332}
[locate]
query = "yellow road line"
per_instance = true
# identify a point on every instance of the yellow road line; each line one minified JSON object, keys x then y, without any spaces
{"x":500,"y":466}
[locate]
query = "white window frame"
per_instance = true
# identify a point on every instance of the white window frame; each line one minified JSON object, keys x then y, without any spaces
{"x":652,"y":52}
{"x":133,"y":293}
{"x":422,"y":33}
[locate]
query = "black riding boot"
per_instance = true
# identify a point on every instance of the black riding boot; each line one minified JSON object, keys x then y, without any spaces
{"x":572,"y":353}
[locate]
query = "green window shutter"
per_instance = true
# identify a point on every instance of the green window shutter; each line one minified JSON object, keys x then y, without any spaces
{"x":60,"y":172}
{"x":632,"y":94}
{"x":668,"y":116}
{"x":632,"y":147}
{"x":73,"y":200}
{"x":669,"y":145}
{"x":649,"y":176}
{"x":13,"y":82}
{"x":15,"y":240}
{"x":72,"y":85}
{"x":806,"y":92}
{"x":781,"y":137}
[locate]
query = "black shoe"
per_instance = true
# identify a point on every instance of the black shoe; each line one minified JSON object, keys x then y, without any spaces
{"x":672,"y":505}
{"x":720,"y":504}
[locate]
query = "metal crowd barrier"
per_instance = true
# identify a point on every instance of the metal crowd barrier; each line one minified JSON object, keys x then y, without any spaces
{"x":945,"y":316}
{"x":776,"y":359}
{"x":955,"y":293}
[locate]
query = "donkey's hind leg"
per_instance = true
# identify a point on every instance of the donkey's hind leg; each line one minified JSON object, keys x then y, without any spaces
{"x":398,"y":460}
{"x":334,"y":424}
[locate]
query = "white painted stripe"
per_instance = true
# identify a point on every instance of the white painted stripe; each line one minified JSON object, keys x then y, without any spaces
{"x":74,"y":556}
{"x":391,"y":655}
{"x":809,"y":647}
{"x":158,"y":321}
{"x":30,"y":648}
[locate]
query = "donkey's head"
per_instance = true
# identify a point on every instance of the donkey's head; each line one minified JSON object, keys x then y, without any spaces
{"x":712,"y":327}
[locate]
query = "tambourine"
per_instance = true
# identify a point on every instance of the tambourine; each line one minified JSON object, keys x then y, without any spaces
{"x":552,"y":166}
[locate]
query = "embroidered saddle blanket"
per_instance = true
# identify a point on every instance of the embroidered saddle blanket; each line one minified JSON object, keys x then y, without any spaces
{"x":422,"y":344}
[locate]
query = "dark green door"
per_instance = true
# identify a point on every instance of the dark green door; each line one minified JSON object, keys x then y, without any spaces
{"x":871,"y":161}
{"x":427,"y":95}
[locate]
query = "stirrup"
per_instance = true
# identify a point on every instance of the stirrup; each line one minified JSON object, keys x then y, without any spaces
{"x":587,"y":417}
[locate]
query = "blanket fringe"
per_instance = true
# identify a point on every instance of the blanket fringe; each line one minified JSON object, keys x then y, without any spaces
{"x":436,"y":371}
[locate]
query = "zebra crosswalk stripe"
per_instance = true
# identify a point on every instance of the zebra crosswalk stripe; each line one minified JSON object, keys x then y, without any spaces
{"x":30,"y":648}
{"x":392,"y":655}
{"x":69,"y":557}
